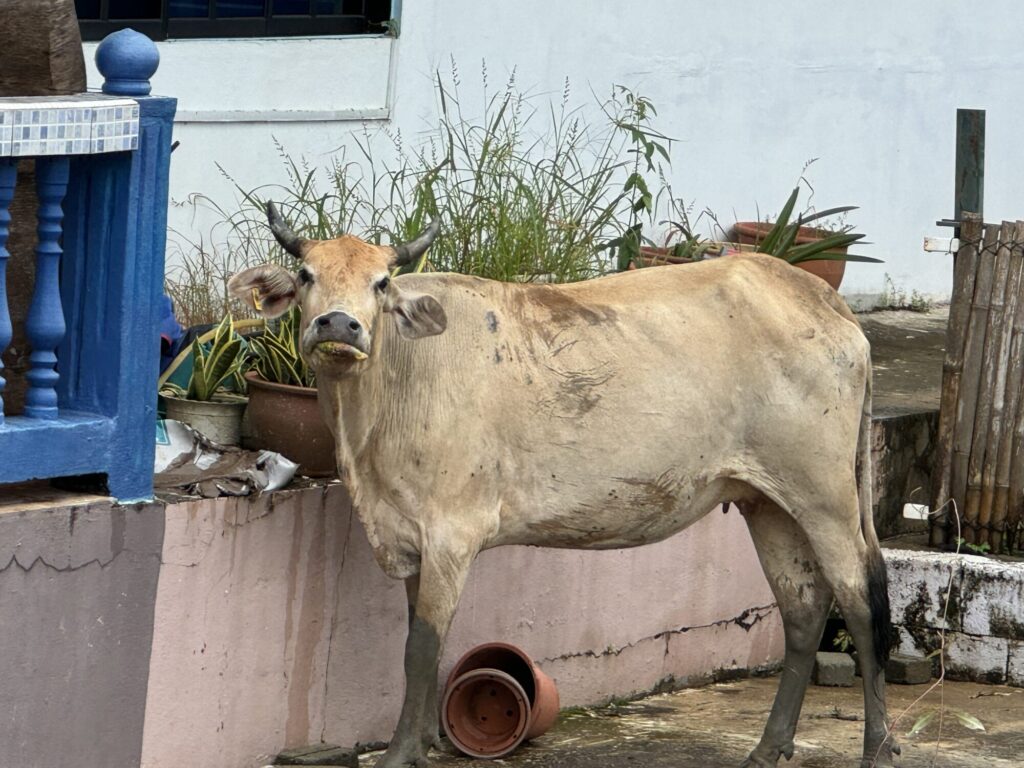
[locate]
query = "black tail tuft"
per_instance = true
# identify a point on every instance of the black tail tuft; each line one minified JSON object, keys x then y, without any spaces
{"x":878,"y":602}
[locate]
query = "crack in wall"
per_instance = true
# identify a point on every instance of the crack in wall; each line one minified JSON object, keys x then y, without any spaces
{"x":230,"y":519}
{"x":39,"y":559}
{"x":334,"y":615}
{"x":746,"y":620}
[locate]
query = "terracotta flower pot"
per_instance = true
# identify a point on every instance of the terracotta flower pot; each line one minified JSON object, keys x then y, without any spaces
{"x":485,"y":713}
{"x":287,"y":419}
{"x":540,"y":688}
{"x":753,"y":232}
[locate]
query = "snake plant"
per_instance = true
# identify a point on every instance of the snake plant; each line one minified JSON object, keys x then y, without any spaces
{"x":274,"y":355}
{"x":780,"y":240}
{"x":213,"y":364}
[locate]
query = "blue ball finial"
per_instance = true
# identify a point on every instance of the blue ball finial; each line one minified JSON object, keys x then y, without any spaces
{"x":127,"y":59}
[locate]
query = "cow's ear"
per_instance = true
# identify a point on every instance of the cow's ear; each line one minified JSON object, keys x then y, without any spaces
{"x":417,"y":315}
{"x":269,"y":289}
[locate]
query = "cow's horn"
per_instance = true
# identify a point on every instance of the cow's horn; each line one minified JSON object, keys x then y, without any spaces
{"x":291,"y":242}
{"x":406,"y":253}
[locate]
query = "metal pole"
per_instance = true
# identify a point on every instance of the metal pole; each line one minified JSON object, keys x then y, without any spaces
{"x":970,"y":164}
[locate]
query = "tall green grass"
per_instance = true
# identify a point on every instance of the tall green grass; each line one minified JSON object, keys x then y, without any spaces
{"x":527,"y":187}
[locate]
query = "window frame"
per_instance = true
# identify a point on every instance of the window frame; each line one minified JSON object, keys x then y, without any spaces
{"x":210,"y":27}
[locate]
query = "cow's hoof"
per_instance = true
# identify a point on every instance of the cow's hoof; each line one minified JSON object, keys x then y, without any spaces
{"x":884,"y":760}
{"x":885,"y":757}
{"x":768,"y":757}
{"x":755,"y":760}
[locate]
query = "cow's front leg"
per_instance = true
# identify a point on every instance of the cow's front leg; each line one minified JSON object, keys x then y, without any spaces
{"x":431,"y":721}
{"x":436,"y":595}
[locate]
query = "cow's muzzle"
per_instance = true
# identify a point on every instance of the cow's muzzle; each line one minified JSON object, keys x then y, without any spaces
{"x":338,"y":335}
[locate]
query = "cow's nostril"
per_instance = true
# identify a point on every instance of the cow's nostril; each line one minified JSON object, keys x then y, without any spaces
{"x":323,"y":320}
{"x":353,"y":325}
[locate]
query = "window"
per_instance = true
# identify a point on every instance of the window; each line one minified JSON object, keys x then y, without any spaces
{"x":166,"y":19}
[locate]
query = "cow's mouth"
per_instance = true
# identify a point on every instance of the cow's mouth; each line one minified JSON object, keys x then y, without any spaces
{"x":339,"y":349}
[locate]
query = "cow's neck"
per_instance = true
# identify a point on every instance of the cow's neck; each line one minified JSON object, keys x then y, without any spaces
{"x":356,"y":402}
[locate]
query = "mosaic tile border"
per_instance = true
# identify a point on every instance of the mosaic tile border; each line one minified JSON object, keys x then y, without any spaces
{"x":83,"y":124}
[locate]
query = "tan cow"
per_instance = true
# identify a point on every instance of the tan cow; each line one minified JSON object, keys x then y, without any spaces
{"x":610,"y":413}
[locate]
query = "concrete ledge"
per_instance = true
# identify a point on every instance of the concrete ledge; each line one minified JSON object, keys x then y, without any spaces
{"x":275,"y":628}
{"x":983,"y":618}
{"x":77,"y":590}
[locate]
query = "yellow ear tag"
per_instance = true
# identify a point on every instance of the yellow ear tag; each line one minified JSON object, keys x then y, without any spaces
{"x":257,"y":301}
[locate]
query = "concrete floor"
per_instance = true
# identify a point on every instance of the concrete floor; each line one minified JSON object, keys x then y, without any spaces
{"x":907,"y":350}
{"x":718,"y":725}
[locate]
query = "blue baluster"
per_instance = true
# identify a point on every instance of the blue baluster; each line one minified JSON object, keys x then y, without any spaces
{"x":8,"y":177}
{"x":44,"y":325}
{"x":127,"y":60}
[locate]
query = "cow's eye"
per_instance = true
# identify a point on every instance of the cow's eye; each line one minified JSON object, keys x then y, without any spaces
{"x":383,"y":284}
{"x":305,"y":276}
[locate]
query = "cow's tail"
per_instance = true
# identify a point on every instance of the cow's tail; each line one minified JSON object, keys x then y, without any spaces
{"x":878,"y":580}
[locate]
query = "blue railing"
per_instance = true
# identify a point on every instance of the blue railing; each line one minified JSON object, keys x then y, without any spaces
{"x":92,"y":325}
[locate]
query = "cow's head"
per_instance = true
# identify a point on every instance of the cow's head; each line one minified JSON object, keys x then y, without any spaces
{"x":344,"y":288}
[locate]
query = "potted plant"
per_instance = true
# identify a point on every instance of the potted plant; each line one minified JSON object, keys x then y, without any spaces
{"x":682,"y":245}
{"x":205,"y":404}
{"x":284,"y":414}
{"x":818,"y":250}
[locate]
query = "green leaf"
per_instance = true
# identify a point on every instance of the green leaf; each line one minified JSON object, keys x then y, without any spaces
{"x":828,"y":212}
{"x":174,"y":390}
{"x":220,"y":365}
{"x":225,"y":330}
{"x":197,"y":383}
{"x":968,"y":720}
{"x":833,"y":257}
{"x":921,"y":723}
{"x":786,"y":242}
{"x":811,"y":250}
{"x":628,"y":247}
{"x":771,"y":240}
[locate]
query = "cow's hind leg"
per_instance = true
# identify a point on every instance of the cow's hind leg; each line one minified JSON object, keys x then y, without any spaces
{"x":852,"y":563}
{"x":433,"y":599}
{"x":804,"y":599}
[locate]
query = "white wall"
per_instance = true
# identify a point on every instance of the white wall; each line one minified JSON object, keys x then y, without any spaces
{"x":751,"y":91}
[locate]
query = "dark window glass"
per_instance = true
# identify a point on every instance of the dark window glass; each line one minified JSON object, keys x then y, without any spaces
{"x":134,"y":9}
{"x":240,"y":8}
{"x":87,"y":9}
{"x":188,"y":9}
{"x":376,"y":11}
{"x":291,"y":7}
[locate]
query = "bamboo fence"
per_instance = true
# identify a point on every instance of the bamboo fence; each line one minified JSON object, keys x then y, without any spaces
{"x":980,"y":447}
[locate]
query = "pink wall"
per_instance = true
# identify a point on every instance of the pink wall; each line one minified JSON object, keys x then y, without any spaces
{"x":274,"y":627}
